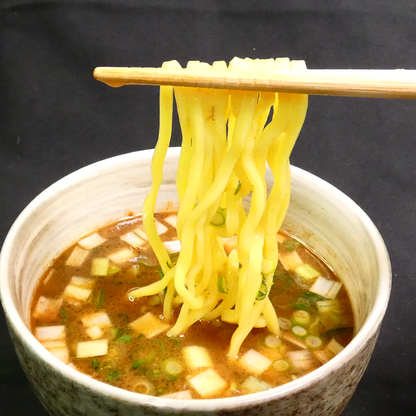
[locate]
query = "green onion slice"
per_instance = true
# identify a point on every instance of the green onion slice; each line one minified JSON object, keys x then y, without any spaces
{"x":262,"y":293}
{"x":113,"y":375}
{"x":222,"y":284}
{"x":218,"y":220}
{"x":299,"y":331}
{"x":237,"y":190}
{"x":272,"y":341}
{"x":313,"y":341}
{"x":138,"y":363}
{"x":173,"y":367}
{"x":281,"y":365}
{"x":100,"y":298}
{"x":95,"y":364}
{"x":125,"y":338}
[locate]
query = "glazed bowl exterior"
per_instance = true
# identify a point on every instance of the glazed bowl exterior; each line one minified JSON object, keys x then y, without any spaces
{"x":319,"y":214}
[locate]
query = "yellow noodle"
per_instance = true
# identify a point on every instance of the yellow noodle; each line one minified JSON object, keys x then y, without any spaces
{"x":227,"y":141}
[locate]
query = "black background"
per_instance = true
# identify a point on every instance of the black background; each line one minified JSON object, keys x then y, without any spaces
{"x":55,"y":118}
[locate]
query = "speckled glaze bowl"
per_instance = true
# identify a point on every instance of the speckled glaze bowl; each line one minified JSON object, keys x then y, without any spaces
{"x":319,"y":214}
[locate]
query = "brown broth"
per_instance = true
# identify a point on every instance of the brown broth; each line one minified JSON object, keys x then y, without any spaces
{"x":127,"y":349}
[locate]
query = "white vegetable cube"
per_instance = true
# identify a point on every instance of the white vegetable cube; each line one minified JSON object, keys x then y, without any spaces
{"x":254,"y":385}
{"x":293,"y":339}
{"x":54,"y":344}
{"x":302,"y":359}
{"x":208,"y":383}
{"x":141,"y":233}
{"x":333,"y":292}
{"x":149,"y":325}
{"x":133,"y":239}
{"x":321,"y":286}
{"x":92,"y":348}
{"x":49,"y":276}
{"x":47,"y":309}
{"x":180,"y":395}
{"x":290,"y":260}
{"x":173,"y":246}
{"x":261,"y":322}
{"x":325,"y":287}
{"x":84,"y":282}
{"x":61,"y":354}
{"x":254,"y":362}
{"x":307,"y":272}
{"x":196,"y":357}
{"x":76,"y":293}
{"x":323,"y":355}
{"x":100,"y":319}
{"x":325,"y":307}
{"x":94,"y":332}
{"x":334,"y":347}
{"x":280,"y":238}
{"x":99,"y":266}
{"x":77,"y":257}
{"x":121,"y":256}
{"x":172,"y":220}
{"x":91,"y":241}
{"x":50,"y":333}
{"x":161,"y":228}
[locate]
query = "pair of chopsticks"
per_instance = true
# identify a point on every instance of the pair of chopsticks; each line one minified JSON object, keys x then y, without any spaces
{"x":395,"y":83}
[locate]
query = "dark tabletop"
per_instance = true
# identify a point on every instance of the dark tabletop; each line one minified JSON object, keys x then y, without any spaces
{"x":55,"y":118}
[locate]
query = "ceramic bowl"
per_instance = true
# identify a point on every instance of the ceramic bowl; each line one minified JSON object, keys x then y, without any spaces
{"x":319,"y":214}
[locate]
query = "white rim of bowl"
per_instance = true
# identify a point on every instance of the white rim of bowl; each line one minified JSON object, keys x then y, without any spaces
{"x":367,"y":331}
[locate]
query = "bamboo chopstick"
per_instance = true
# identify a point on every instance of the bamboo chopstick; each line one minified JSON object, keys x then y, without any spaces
{"x":395,"y":83}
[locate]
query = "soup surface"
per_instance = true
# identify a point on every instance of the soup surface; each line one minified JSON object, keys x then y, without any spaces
{"x":81,"y":313}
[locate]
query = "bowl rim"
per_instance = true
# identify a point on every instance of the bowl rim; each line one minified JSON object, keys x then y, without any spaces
{"x":367,"y":331}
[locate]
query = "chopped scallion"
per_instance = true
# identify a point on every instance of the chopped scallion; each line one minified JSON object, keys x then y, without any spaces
{"x":262,"y":293}
{"x":313,"y":341}
{"x":100,"y":298}
{"x":95,"y":364}
{"x":299,"y":331}
{"x":113,"y":375}
{"x":162,"y":347}
{"x":125,"y":338}
{"x":272,"y":341}
{"x":280,"y":365}
{"x":222,"y":284}
{"x":218,"y":220}
{"x":138,"y":363}
{"x":301,"y":317}
{"x":173,"y":367}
